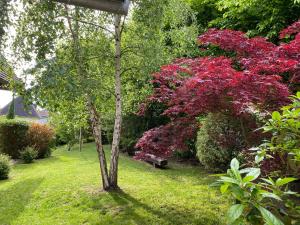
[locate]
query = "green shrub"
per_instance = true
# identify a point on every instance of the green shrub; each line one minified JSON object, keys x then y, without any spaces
{"x":28,"y":154}
{"x":257,"y":201}
{"x":4,"y":167}
{"x":218,"y":141}
{"x":13,"y":137}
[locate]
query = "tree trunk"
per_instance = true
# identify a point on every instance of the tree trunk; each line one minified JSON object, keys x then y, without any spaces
{"x":94,"y":116}
{"x":113,"y":172}
{"x":96,"y":125}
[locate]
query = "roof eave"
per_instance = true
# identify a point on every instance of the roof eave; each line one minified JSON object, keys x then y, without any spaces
{"x":113,"y":6}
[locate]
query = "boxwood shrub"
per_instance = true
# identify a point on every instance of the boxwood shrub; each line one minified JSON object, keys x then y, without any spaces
{"x":218,"y":141}
{"x":13,"y":137}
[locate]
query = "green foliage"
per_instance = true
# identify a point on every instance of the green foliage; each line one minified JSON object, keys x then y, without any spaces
{"x":256,"y":201}
{"x":218,"y":141}
{"x":28,"y":154}
{"x":3,"y":17}
{"x":158,"y":32}
{"x":285,"y":129}
{"x":134,"y":126}
{"x":206,"y":11}
{"x":13,"y":137}
{"x":256,"y":17}
{"x":4,"y":166}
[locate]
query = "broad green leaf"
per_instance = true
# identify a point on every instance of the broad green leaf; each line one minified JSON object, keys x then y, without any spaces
{"x":234,"y":213}
{"x":234,"y":164}
{"x":229,"y":180}
{"x":269,"y":218}
{"x":237,"y":192}
{"x":276,"y":115}
{"x":247,"y":170}
{"x":271,"y":195}
{"x":269,"y":181}
{"x":252,"y":175}
{"x":248,"y":178}
{"x":224,"y":188}
{"x":283,"y":181}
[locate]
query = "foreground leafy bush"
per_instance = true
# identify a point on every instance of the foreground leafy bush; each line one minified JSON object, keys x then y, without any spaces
{"x":4,"y":167}
{"x":285,"y":129}
{"x":267,"y":201}
{"x":28,"y":154}
{"x":219,"y":140}
{"x":13,"y":137}
{"x":284,"y":144}
{"x":41,"y":138}
{"x":256,"y":201}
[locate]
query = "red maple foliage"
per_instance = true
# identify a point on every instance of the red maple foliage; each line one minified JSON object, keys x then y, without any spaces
{"x":193,"y":87}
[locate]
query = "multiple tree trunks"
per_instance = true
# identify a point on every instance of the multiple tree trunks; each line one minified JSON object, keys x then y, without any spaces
{"x":113,"y":172}
{"x":109,"y":180}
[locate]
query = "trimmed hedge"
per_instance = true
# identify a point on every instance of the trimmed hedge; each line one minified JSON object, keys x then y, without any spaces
{"x":13,"y":138}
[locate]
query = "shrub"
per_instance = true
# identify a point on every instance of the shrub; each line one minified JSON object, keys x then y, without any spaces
{"x":40,"y":137}
{"x":285,"y":141}
{"x":257,"y":201}
{"x":28,"y":154}
{"x":4,"y":166}
{"x":219,"y":140}
{"x":13,"y":137}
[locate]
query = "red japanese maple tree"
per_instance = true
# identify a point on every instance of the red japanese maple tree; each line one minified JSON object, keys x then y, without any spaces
{"x":257,"y":77}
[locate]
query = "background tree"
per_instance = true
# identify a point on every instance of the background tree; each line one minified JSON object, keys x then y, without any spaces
{"x":255,"y":17}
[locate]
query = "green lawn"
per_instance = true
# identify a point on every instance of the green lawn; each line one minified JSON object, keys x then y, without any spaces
{"x":64,"y":189}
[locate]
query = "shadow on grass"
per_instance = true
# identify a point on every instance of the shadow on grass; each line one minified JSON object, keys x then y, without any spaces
{"x":126,"y":209}
{"x":15,"y":198}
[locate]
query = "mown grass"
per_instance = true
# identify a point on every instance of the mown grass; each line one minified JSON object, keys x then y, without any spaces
{"x":65,"y":189}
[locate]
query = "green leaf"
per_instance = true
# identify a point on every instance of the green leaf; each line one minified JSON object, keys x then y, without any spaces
{"x":248,"y":178}
{"x":269,"y":218}
{"x":224,"y":188}
{"x":271,"y":195}
{"x":234,"y":212}
{"x":269,"y":181}
{"x":247,"y":170}
{"x":252,"y":175}
{"x":283,"y":181}
{"x":234,"y":164}
{"x":228,"y":180}
{"x":276,"y":115}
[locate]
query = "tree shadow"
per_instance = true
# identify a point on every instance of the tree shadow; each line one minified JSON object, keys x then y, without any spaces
{"x":126,"y":209}
{"x":15,"y":198}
